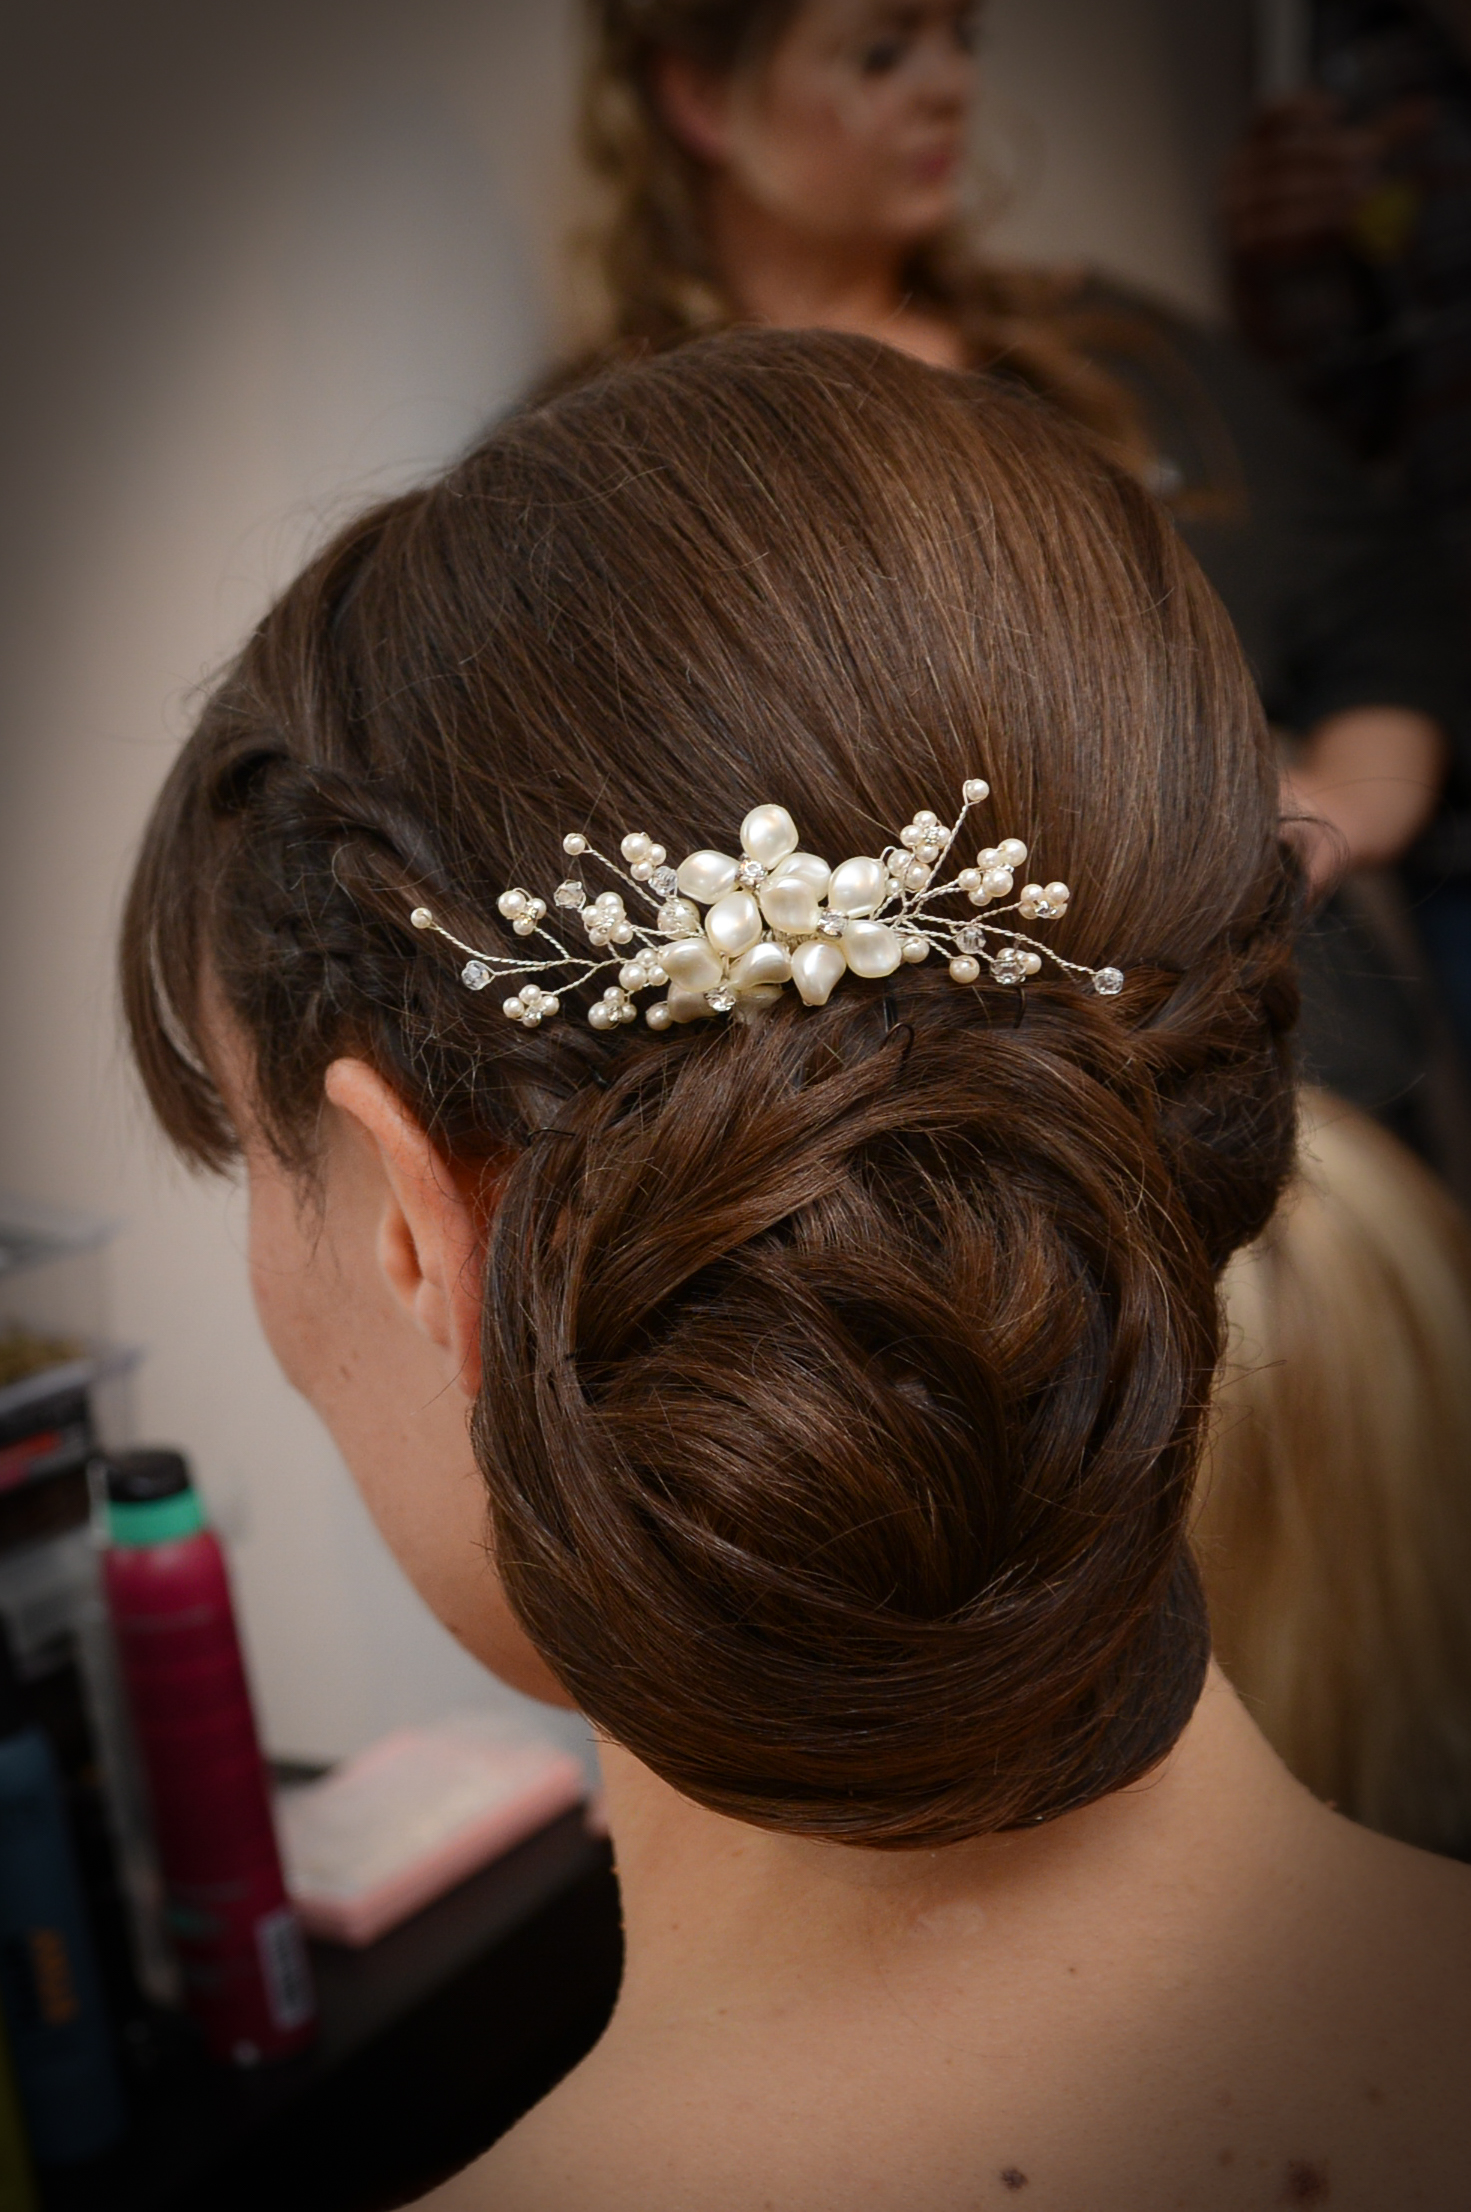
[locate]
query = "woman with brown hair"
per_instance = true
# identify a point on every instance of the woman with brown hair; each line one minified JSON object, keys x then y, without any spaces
{"x":765,"y":1282}
{"x":799,"y":164}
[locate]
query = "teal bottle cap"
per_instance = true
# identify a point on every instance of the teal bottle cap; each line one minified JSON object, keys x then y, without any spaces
{"x":150,"y":1499}
{"x":155,"y":1520}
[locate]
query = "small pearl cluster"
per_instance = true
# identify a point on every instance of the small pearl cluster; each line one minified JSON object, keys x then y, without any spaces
{"x":522,"y":911}
{"x":531,"y":1007}
{"x":731,"y":931}
{"x":613,"y":1007}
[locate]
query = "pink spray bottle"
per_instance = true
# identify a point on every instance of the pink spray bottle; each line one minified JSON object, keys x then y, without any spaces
{"x":246,"y":1977}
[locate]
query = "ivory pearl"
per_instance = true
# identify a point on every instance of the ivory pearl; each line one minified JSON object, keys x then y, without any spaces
{"x":872,"y":948}
{"x":965,"y":970}
{"x":811,"y":868}
{"x":858,"y":886}
{"x":687,"y":1006}
{"x":690,"y":965}
{"x":637,"y":845}
{"x":733,"y":923}
{"x":974,"y":790}
{"x":707,"y":876}
{"x":1011,"y":852}
{"x":816,"y":967}
{"x":915,"y":950}
{"x":658,"y":1015}
{"x":1058,"y":893}
{"x":768,"y":834}
{"x":790,"y":904}
{"x":764,"y":963}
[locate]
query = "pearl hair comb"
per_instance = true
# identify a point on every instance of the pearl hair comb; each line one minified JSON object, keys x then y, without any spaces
{"x":773,"y":916}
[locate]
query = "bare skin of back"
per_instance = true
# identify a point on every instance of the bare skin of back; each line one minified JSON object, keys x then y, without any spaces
{"x":1205,"y":1992}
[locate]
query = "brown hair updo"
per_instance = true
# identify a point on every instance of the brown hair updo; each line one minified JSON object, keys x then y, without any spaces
{"x":844,"y":1372}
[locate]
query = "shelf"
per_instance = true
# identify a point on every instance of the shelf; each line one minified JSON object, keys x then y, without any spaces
{"x":433,"y":2041}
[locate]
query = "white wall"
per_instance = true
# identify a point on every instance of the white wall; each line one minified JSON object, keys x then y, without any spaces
{"x":278,"y":260}
{"x":1091,"y":111}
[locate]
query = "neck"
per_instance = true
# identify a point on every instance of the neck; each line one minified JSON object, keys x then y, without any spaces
{"x":795,"y":281}
{"x":723,"y":1917}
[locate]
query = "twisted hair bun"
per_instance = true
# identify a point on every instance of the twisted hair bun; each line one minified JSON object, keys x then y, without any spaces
{"x":843,"y":1373}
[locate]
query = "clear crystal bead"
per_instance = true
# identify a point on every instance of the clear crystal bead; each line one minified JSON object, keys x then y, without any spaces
{"x":476,"y":974}
{"x":664,"y":882}
{"x":832,"y":925}
{"x":971,"y":937}
{"x":570,"y":894}
{"x":1108,"y":982}
{"x":677,"y":918}
{"x":721,"y":1000}
{"x":1010,"y":966}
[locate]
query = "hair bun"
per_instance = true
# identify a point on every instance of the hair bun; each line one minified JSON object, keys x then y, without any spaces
{"x":840,"y":1409}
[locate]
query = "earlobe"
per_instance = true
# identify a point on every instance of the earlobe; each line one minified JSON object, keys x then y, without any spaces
{"x":428,"y":1240}
{"x":693,"y":103}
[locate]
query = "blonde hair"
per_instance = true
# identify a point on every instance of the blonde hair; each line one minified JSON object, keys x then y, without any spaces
{"x":1334,"y":1504}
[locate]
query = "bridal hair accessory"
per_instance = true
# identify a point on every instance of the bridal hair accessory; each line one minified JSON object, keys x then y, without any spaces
{"x":729,"y":934}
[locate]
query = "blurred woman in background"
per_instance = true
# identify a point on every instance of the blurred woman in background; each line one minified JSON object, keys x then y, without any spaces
{"x":799,"y":163}
{"x":1334,"y":1530}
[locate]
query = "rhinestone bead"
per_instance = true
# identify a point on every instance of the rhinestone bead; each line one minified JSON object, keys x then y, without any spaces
{"x":721,"y":1000}
{"x":476,"y":974}
{"x":1010,"y":966}
{"x":751,"y":874}
{"x":664,"y":883}
{"x":570,"y":894}
{"x":832,"y":925}
{"x":1108,"y":982}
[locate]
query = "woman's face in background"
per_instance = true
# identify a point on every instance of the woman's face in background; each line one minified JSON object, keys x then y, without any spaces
{"x":853,"y":128}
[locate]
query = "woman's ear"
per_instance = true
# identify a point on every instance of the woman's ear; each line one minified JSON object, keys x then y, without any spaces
{"x":430,"y":1226}
{"x":695,"y":106}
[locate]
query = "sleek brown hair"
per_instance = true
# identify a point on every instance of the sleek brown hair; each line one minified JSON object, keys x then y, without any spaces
{"x":662,"y":287}
{"x":1334,"y":1525}
{"x":844,"y":1372}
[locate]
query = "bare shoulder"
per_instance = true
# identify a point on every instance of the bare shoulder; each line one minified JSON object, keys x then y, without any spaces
{"x":1312,"y":2049}
{"x":589,"y":2143}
